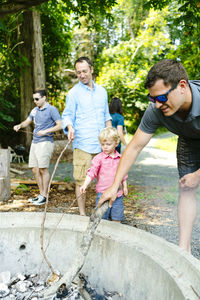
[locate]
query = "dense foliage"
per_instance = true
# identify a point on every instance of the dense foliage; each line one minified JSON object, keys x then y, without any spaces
{"x":124,"y":41}
{"x":161,"y":30}
{"x":9,"y":66}
{"x":125,"y":66}
{"x":58,"y":19}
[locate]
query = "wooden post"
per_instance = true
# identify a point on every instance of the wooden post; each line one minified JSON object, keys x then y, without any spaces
{"x":4,"y":175}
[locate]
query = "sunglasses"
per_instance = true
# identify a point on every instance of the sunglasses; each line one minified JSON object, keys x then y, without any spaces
{"x":161,"y":98}
{"x":36,"y":99}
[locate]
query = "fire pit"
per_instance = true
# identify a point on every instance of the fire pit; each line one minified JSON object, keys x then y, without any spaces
{"x":132,"y":262}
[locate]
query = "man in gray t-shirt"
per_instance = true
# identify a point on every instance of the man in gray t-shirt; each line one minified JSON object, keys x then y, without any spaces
{"x":47,"y":120}
{"x":175,"y":105}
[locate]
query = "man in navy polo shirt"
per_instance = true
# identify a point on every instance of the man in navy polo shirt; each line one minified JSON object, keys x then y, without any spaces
{"x":175,"y":104}
{"x":47,"y":120}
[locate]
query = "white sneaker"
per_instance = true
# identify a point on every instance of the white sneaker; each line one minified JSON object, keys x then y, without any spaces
{"x":33,"y":199}
{"x":41,"y":200}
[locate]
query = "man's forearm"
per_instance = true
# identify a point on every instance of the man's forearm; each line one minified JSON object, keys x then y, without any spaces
{"x":69,"y":127}
{"x":138,"y":142}
{"x":55,"y":128}
{"x":25,"y":123}
{"x":126,"y":161}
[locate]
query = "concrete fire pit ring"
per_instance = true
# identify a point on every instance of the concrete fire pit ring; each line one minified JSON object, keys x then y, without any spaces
{"x":124,"y":259}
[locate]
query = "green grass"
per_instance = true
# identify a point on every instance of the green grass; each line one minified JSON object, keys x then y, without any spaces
{"x":168,"y":144}
{"x":21,"y":188}
{"x":67,"y":179}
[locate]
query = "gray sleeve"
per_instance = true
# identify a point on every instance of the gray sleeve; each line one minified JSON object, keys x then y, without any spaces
{"x":150,"y":120}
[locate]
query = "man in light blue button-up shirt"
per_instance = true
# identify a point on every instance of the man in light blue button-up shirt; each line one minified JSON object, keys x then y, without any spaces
{"x":86,"y":113}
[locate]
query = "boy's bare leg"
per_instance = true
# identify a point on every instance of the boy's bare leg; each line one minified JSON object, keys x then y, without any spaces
{"x":81,"y":200}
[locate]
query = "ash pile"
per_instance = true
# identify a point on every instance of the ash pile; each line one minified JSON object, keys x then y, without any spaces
{"x":31,"y":287}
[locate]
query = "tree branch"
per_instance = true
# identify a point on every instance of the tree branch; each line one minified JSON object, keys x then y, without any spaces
{"x":14,"y":6}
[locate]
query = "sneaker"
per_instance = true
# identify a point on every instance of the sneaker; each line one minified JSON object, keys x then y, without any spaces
{"x":41,"y":200}
{"x":33,"y":199}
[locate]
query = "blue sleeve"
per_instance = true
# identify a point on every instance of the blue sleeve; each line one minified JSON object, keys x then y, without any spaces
{"x":55,"y":114}
{"x":69,"y":113}
{"x":32,"y":113}
{"x":120,"y":120}
{"x":107,"y":114}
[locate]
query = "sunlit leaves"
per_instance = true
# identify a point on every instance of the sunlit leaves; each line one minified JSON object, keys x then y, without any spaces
{"x":125,"y":66}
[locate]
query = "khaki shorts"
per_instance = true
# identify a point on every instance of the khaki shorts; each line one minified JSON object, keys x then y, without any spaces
{"x":40,"y":154}
{"x":82,"y":162}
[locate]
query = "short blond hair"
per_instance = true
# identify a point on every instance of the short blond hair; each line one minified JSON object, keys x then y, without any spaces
{"x":109,"y":133}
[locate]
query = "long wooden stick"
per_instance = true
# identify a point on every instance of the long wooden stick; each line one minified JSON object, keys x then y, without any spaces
{"x":45,"y":210}
{"x":77,"y":265}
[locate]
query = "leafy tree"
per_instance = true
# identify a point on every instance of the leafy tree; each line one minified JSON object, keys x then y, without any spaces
{"x":125,"y":66}
{"x":9,"y":87}
{"x":58,"y":18}
{"x":184,"y":27}
{"x":133,"y":13}
{"x":170,"y":31}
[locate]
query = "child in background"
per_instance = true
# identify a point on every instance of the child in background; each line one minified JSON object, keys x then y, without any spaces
{"x":104,"y":166}
{"x":116,"y":113}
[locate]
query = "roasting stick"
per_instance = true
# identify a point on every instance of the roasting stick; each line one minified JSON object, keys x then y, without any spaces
{"x":78,"y":263}
{"x":88,"y":236}
{"x":45,"y":211}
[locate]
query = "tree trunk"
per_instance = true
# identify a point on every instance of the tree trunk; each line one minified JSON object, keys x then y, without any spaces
{"x":38,"y":59}
{"x":32,"y":75}
{"x":26,"y":74}
{"x":4,"y":175}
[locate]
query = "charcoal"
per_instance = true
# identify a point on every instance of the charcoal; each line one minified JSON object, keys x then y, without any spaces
{"x":31,"y":287}
{"x":4,"y":291}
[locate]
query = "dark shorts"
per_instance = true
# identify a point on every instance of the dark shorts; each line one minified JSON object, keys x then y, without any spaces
{"x":188,"y":156}
{"x":116,"y":212}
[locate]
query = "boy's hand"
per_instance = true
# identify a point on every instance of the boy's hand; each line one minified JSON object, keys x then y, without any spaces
{"x":125,"y":191}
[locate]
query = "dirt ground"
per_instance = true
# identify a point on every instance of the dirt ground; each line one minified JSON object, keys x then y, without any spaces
{"x":62,"y":194}
{"x":151,"y":204}
{"x":61,"y":197}
{"x":149,"y":207}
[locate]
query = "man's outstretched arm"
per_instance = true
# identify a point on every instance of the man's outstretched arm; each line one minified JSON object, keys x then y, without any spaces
{"x":138,"y":142}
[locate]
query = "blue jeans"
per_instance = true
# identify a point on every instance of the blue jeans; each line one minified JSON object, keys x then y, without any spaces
{"x":116,"y":212}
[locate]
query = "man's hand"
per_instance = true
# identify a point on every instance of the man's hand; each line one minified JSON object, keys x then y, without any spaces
{"x":17,"y":127}
{"x":110,"y":194}
{"x":190,"y":181}
{"x":41,"y":132}
{"x":71,"y":133}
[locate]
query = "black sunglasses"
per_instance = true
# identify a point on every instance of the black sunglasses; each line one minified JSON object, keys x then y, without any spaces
{"x":36,"y":99}
{"x":161,"y":98}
